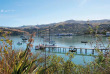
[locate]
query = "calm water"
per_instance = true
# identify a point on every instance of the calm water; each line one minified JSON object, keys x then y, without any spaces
{"x":65,"y":41}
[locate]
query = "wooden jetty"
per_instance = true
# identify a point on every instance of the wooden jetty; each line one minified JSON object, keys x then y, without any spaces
{"x":70,"y":48}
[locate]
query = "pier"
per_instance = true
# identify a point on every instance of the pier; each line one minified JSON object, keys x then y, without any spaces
{"x":81,"y":50}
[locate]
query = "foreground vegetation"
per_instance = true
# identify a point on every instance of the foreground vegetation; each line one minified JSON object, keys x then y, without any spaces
{"x":23,"y":62}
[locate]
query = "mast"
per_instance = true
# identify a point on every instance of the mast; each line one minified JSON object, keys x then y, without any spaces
{"x":49,"y":34}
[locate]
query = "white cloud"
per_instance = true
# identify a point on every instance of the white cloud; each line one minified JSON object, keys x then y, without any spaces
{"x":7,"y":10}
{"x":2,"y":11}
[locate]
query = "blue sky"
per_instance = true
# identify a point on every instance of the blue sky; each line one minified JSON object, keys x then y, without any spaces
{"x":31,"y":12}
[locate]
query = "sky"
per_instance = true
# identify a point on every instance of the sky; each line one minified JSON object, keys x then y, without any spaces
{"x":14,"y":13}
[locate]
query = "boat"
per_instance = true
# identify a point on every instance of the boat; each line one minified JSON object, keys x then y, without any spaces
{"x":73,"y":50}
{"x":24,"y":38}
{"x":37,"y":47}
{"x":84,"y":42}
{"x":40,"y":47}
{"x":21,"y":36}
{"x":49,"y":40}
{"x":19,"y":43}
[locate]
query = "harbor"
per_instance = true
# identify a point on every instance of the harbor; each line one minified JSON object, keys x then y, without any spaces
{"x":64,"y":45}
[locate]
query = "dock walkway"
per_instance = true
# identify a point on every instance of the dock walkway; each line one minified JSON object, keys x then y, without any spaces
{"x":71,"y":48}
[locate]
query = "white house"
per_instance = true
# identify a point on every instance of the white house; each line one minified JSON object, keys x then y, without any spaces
{"x":107,"y":33}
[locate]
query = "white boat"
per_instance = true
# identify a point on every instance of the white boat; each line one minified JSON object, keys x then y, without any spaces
{"x":24,"y":38}
{"x":73,"y":49}
{"x":37,"y":47}
{"x":51,"y":42}
{"x":19,"y":43}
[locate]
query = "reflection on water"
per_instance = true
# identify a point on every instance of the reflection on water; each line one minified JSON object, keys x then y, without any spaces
{"x":64,"y":41}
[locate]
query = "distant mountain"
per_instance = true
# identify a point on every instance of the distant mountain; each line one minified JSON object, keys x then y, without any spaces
{"x":105,"y":21}
{"x":90,"y":21}
{"x":74,"y":21}
{"x":69,"y":26}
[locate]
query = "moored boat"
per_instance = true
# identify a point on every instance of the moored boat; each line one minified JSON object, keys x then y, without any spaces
{"x":37,"y":47}
{"x":19,"y":43}
{"x":24,"y":38}
{"x":84,"y":42}
{"x":73,"y":50}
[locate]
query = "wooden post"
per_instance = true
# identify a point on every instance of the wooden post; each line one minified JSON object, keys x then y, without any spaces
{"x":76,"y":50}
{"x":80,"y":51}
{"x":92,"y":51}
{"x":52,"y":49}
{"x":85,"y":51}
{"x":63,"y":49}
{"x":49,"y":49}
{"x":70,"y":48}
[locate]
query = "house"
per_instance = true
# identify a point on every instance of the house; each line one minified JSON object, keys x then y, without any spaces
{"x":107,"y":33}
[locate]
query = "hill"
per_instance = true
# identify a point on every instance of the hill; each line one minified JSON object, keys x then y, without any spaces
{"x":13,"y":31}
{"x":69,"y":26}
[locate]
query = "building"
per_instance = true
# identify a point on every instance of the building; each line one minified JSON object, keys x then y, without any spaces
{"x":107,"y":33}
